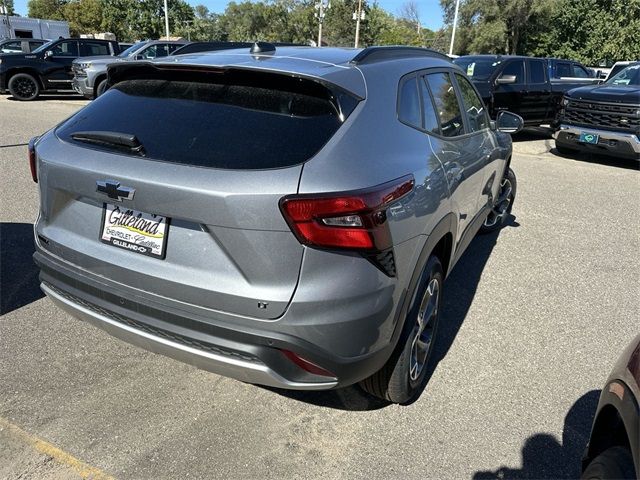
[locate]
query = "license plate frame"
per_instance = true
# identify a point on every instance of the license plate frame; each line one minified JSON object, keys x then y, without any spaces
{"x":144,"y":240}
{"x":590,"y":138}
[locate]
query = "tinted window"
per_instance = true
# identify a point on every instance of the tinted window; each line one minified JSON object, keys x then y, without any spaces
{"x":90,"y":49}
{"x":579,"y":72}
{"x":428,"y":110}
{"x":173,"y":47}
{"x":473,"y":105}
{"x":131,"y":49}
{"x":34,"y":45}
{"x":11,"y":47}
{"x":536,"y":71}
{"x":409,"y":107}
{"x":65,"y":49}
{"x":155,"y":51}
{"x":446,"y":103}
{"x":243,"y":121}
{"x":515,"y":68}
{"x":477,"y":68}
{"x":563,"y":70}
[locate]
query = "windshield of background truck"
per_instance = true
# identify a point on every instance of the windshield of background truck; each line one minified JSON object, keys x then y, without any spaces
{"x":628,"y":76}
{"x":477,"y":68}
{"x":131,"y":49}
{"x":44,"y":47}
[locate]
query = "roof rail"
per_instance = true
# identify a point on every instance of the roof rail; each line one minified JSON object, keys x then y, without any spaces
{"x":378,"y":54}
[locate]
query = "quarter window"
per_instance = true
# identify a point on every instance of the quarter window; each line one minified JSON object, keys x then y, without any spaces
{"x":409,"y":107}
{"x":476,"y":112}
{"x":446,"y":102}
{"x":428,"y":110}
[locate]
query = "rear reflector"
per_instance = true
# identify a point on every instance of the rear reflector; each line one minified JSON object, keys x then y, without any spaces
{"x":351,"y":220}
{"x":32,"y":159}
{"x":306,"y":364}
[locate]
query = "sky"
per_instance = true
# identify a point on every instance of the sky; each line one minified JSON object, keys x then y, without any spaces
{"x":430,"y":11}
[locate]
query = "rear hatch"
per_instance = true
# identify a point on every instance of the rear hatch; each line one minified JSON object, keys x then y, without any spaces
{"x":170,"y":183}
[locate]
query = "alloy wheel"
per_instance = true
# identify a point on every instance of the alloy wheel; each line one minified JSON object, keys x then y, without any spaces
{"x":501,"y":206}
{"x":424,"y":330}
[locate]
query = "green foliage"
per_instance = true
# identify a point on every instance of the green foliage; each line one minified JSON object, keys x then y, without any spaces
{"x":83,"y":16}
{"x":8,"y":4}
{"x":47,"y":9}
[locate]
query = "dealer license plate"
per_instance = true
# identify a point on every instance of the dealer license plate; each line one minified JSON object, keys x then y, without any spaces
{"x":138,"y":232}
{"x":589,"y":138}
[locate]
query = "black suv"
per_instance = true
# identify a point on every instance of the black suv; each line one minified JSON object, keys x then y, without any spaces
{"x":48,"y":67}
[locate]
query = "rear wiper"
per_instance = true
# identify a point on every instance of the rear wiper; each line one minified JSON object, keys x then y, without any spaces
{"x":124,"y":141}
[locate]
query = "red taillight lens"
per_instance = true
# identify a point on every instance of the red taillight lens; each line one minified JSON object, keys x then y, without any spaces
{"x":352,"y":220}
{"x":32,"y":159}
{"x":306,"y":364}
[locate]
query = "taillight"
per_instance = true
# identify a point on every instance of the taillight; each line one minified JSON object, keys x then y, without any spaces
{"x":32,"y":159}
{"x":352,"y":220}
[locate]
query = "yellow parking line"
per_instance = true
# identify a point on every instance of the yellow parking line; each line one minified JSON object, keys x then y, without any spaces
{"x":81,"y":468}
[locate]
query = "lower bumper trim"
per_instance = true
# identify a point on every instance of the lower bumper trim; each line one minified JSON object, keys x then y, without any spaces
{"x":246,"y":370}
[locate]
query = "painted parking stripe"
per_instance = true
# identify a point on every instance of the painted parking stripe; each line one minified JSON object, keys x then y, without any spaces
{"x":62,"y":457}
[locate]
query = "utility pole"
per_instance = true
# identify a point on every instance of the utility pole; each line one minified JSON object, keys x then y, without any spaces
{"x":6,"y":12}
{"x":188,"y":24}
{"x":166,"y":18}
{"x":320,"y":14}
{"x":358,"y":16}
{"x":455,"y":24}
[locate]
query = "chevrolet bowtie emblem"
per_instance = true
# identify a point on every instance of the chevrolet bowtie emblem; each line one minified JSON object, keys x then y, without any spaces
{"x":113,"y":190}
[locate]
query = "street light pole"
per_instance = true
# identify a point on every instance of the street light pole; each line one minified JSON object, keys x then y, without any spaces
{"x":321,"y":7}
{"x":166,"y":18}
{"x":455,"y":24}
{"x":359,"y":15}
{"x":6,"y":12}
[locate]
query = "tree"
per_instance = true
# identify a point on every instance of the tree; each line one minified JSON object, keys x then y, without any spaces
{"x":8,"y":4}
{"x":47,"y":9}
{"x":84,"y":16}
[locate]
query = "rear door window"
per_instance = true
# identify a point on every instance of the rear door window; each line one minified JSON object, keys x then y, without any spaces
{"x":232,"y":120}
{"x":476,"y":113}
{"x":446,"y":102}
{"x":90,"y":49}
{"x":536,"y":71}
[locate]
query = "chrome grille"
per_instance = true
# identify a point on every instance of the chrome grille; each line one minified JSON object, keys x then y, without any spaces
{"x":603,"y":115}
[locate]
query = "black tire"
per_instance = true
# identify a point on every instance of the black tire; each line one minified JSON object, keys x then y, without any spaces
{"x":562,"y":150}
{"x":503,"y":205}
{"x":24,"y":87}
{"x":101,"y":88}
{"x":613,"y":463}
{"x":403,"y":377}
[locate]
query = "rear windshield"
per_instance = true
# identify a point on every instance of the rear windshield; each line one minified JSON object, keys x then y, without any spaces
{"x":477,"y":68}
{"x":227,"y":121}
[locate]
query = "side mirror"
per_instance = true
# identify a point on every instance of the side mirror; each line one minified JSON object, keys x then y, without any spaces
{"x":48,"y":54}
{"x":508,"y":122}
{"x":506,"y":79}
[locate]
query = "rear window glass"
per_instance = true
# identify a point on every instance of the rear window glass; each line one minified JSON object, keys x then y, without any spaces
{"x":218,"y":125}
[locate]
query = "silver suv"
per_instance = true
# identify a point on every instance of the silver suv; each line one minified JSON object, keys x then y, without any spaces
{"x":285,"y":218}
{"x":90,"y":73}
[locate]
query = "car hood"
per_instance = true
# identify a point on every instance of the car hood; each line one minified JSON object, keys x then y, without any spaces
{"x":607,"y":93}
{"x":99,"y":59}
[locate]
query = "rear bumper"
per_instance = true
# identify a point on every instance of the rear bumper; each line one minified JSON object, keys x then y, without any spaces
{"x":253,"y":355}
{"x":617,"y":144}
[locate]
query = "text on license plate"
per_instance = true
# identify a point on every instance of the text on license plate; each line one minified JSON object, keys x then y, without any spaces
{"x":135,"y":231}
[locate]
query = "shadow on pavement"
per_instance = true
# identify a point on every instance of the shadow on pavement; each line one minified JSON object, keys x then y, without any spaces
{"x":589,"y":157}
{"x":19,"y":285}
{"x":543,"y":457}
{"x":42,"y":97}
{"x":460,"y":289}
{"x":533,"y":133}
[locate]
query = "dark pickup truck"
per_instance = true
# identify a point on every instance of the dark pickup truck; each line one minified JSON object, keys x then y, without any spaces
{"x":603,"y":118}
{"x":48,"y":68}
{"x":530,"y":87}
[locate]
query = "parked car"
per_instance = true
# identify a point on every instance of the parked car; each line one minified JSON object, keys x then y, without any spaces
{"x":604,"y":118}
{"x":614,"y":445}
{"x":20,"y":45}
{"x":530,"y":87}
{"x":48,"y":68}
{"x":617,"y":68}
{"x":124,"y":46}
{"x":244,"y":213}
{"x":90,"y":74}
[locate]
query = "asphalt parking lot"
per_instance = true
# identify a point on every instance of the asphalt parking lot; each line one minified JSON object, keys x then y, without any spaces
{"x":533,"y":320}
